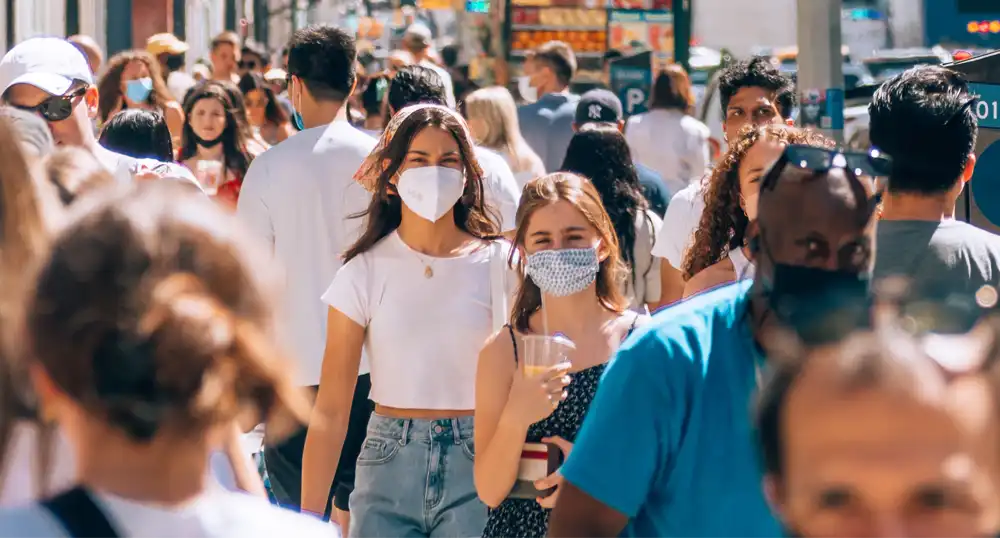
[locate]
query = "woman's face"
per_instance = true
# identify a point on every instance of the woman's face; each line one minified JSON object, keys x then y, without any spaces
{"x":134,"y":70}
{"x":256,"y":101}
{"x":755,"y":163}
{"x":889,"y":462}
{"x":557,"y":226}
{"x":208,"y":118}
{"x":433,"y":146}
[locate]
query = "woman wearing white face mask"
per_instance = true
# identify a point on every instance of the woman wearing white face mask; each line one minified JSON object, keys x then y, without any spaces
{"x":418,"y":292}
{"x":571,"y":284}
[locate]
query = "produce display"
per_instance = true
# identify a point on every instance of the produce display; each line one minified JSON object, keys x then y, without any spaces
{"x":592,"y":41}
{"x":591,"y":18}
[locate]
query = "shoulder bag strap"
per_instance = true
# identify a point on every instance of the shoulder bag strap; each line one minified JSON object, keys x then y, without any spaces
{"x":498,"y":285}
{"x":77,"y":512}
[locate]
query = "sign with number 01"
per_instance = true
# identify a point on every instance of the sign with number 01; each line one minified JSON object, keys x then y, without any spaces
{"x":987,"y":107}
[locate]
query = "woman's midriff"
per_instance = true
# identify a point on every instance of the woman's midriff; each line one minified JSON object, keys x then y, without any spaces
{"x":424,"y":414}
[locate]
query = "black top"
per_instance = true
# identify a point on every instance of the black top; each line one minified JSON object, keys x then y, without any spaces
{"x":525,"y":518}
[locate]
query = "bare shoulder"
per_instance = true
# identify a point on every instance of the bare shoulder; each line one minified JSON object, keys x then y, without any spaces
{"x":715,"y":275}
{"x":497,"y":355}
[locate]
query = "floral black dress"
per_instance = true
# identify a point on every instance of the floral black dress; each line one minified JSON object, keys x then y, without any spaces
{"x":525,"y":518}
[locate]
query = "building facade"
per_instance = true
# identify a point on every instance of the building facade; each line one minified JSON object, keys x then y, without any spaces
{"x":124,"y":24}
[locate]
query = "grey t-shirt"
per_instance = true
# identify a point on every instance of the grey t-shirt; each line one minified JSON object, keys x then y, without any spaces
{"x":940,"y":257}
{"x":547,"y":126}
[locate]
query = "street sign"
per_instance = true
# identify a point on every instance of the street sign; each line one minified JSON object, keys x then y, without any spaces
{"x":987,"y":104}
{"x":632,"y":81}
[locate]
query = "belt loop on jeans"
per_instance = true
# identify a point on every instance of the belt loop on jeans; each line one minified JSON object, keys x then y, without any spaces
{"x":406,"y":432}
{"x":455,"y":431}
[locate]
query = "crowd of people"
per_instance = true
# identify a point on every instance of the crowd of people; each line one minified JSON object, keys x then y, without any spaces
{"x":320,"y":299}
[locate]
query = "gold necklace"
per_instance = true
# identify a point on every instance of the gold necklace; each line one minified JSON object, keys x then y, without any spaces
{"x":428,"y":267}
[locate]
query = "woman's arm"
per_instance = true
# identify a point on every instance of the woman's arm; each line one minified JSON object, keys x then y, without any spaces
{"x":328,"y":422}
{"x":507,"y":403}
{"x":174,"y":116}
{"x":499,"y":438}
{"x":244,"y":471}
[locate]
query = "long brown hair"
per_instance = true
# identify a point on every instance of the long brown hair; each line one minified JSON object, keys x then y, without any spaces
{"x":236,"y":156}
{"x":581,"y":194}
{"x":384,"y":213}
{"x":29,"y":213}
{"x":174,"y":333}
{"x":109,"y":88}
{"x":723,"y":223}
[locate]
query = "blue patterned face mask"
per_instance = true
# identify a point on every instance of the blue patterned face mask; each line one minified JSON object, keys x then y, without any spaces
{"x":563,"y":272}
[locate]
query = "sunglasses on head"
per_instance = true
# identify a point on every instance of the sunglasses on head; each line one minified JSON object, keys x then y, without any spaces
{"x":872,"y":163}
{"x":57,"y":107}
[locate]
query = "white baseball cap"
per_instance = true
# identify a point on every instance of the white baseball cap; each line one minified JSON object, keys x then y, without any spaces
{"x":47,"y":63}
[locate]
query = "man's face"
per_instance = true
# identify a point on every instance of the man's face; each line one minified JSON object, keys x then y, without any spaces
{"x":537,"y":73}
{"x":251,"y":63}
{"x":921,"y":458}
{"x":750,"y":105}
{"x":815,"y":221}
{"x":72,"y":131}
{"x":224,"y":58}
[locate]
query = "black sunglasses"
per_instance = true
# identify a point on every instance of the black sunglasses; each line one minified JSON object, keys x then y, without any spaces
{"x":57,"y":107}
{"x":252,"y":64}
{"x":872,"y":163}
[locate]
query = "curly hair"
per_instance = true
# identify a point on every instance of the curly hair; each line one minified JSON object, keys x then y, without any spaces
{"x":723,"y":223}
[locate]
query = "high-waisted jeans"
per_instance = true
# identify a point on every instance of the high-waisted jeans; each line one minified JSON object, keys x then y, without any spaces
{"x":414,"y":478}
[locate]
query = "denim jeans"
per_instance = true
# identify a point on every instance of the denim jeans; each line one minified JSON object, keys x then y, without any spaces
{"x":414,"y":478}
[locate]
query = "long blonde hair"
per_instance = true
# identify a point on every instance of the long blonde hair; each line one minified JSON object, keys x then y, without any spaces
{"x":495,"y":114}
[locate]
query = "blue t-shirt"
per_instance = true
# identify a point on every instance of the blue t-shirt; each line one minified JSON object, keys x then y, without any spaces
{"x":668,"y":440}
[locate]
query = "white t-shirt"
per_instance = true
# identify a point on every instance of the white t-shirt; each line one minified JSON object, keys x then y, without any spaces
{"x":21,"y":462}
{"x":423,"y":334}
{"x":119,"y":165}
{"x":679,"y":223}
{"x":499,"y":186}
{"x":298,"y":197}
{"x":214,"y":514}
{"x":670,"y":142}
{"x":179,"y":82}
{"x":20,"y":465}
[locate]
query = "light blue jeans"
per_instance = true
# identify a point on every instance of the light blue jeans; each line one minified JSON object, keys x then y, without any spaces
{"x":414,"y":478}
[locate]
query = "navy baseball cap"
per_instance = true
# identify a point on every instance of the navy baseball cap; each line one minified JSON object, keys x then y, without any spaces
{"x":598,"y":106}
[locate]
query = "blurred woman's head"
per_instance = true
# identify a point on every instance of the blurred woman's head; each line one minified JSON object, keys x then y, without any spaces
{"x":600,"y":153}
{"x":732,"y":189}
{"x":261,"y":103}
{"x":672,"y":90}
{"x":885,"y":434}
{"x":75,"y":171}
{"x":423,"y":160}
{"x":211,"y":118}
{"x":31,"y":131}
{"x":138,"y":133}
{"x":133,"y":78}
{"x":170,"y":340}
{"x":561,"y":214}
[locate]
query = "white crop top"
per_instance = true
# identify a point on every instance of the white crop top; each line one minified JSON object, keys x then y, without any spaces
{"x":423,"y":334}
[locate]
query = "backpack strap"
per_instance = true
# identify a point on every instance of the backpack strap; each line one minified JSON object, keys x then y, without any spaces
{"x":77,"y":512}
{"x":498,"y":284}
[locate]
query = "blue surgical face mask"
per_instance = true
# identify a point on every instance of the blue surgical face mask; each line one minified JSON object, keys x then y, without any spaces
{"x":297,"y":120}
{"x":138,"y":90}
{"x":563,"y":272}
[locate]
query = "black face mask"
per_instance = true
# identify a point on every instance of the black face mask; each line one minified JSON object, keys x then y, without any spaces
{"x":206,"y":143}
{"x":818,"y":304}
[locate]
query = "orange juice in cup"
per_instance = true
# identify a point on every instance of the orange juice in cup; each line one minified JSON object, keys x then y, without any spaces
{"x":543,"y":352}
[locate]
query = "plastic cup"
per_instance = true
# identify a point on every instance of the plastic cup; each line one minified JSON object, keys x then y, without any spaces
{"x":543,"y":352}
{"x":209,"y":174}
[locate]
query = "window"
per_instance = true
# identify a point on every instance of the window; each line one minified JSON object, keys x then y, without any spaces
{"x":978,"y":6}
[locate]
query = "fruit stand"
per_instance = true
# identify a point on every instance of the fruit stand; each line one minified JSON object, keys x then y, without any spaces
{"x":591,"y":27}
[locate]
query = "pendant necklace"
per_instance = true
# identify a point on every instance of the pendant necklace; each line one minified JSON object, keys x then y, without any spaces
{"x":428,"y":267}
